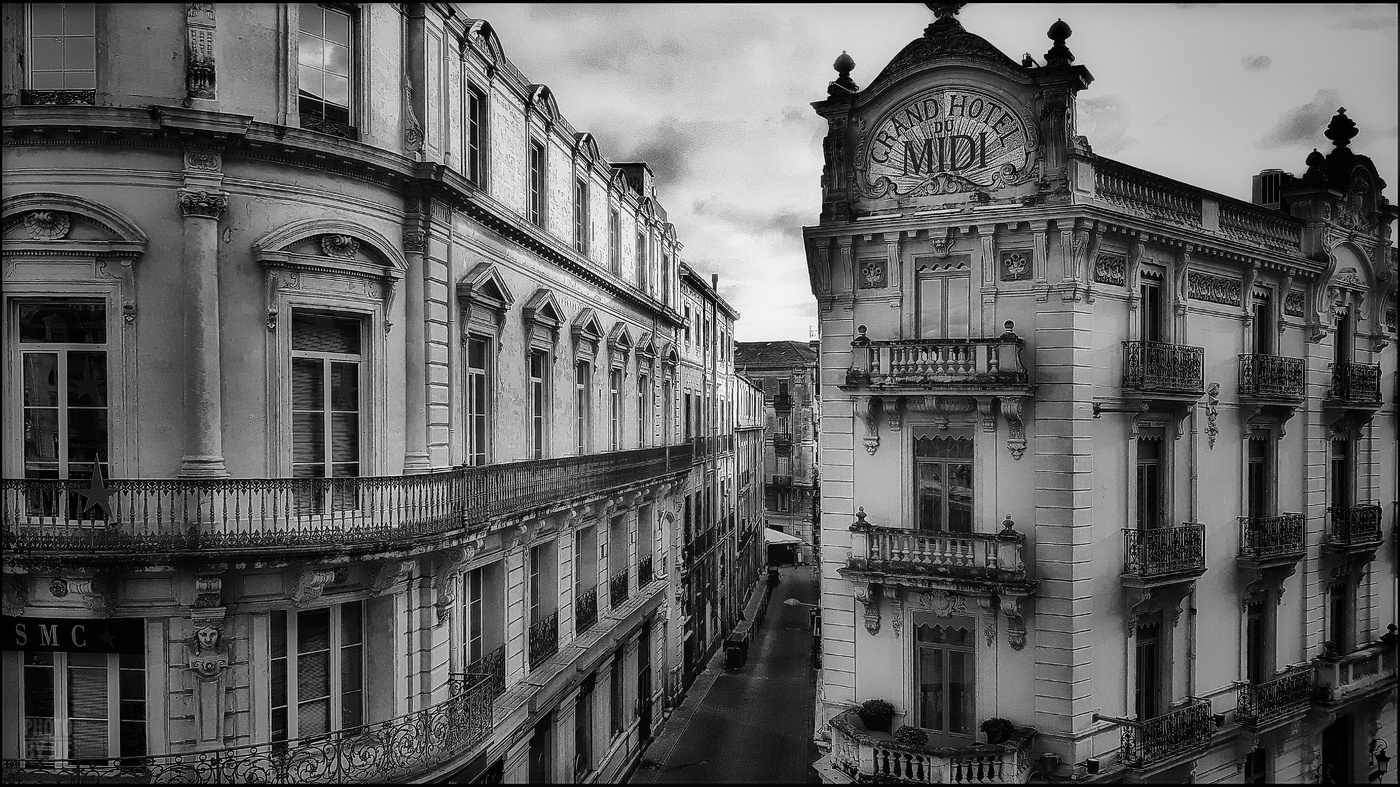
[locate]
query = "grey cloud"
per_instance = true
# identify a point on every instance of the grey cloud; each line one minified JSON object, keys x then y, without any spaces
{"x":1105,"y":120}
{"x":786,"y":223}
{"x":1256,"y":62}
{"x":1302,"y":125}
{"x":1163,"y":121}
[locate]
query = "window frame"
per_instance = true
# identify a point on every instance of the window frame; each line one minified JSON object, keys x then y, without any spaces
{"x":968,"y":653}
{"x":615,"y":241}
{"x":20,"y":348}
{"x":478,"y":425}
{"x":583,"y":402}
{"x":336,"y":645}
{"x":537,"y":412}
{"x":474,"y":152}
{"x":60,"y":703}
{"x":30,"y":92}
{"x":355,"y":79}
{"x":958,"y":270}
{"x":943,"y":521}
{"x":537,"y":186}
{"x":362,"y":411}
{"x":616,"y":381}
{"x":581,"y":223}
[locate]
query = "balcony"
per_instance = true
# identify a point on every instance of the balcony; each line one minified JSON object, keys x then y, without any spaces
{"x":782,"y":444}
{"x":544,"y":639}
{"x":1269,"y":378}
{"x":936,"y":559}
{"x":1283,"y":698}
{"x":1269,"y":541}
{"x":1161,"y":556}
{"x":1355,"y":386}
{"x":585,"y":610}
{"x":255,"y":516}
{"x":617,"y":589}
{"x":418,"y":746}
{"x":1175,"y":736}
{"x":938,"y":363}
{"x":493,"y":666}
{"x":644,"y":575}
{"x":1369,"y":671}
{"x":1354,"y":529}
{"x":1159,"y":370}
{"x":866,"y":756}
{"x":780,"y":480}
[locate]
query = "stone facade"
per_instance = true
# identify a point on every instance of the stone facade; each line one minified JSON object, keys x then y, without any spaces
{"x":1103,"y":454}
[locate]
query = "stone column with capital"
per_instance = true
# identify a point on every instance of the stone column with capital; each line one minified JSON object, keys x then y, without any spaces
{"x":415,"y":400}
{"x":203,"y":376}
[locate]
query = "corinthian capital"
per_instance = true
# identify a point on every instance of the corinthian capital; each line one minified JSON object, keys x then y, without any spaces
{"x":203,"y":203}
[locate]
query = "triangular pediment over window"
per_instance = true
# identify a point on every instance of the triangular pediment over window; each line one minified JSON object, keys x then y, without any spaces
{"x":620,"y":338}
{"x":543,"y":310}
{"x":484,"y":286}
{"x":587,"y":332}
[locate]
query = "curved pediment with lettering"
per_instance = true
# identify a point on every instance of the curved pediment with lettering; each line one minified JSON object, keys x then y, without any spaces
{"x":943,"y":141}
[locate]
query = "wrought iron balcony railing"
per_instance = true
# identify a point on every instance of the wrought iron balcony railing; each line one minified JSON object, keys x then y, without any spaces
{"x":782,"y":443}
{"x":1354,"y":527}
{"x":1273,"y":537}
{"x":317,"y":121}
{"x":1284,"y":695}
{"x":617,"y":589}
{"x":1161,"y":368}
{"x":1176,"y":733}
{"x":781,"y":480}
{"x":1369,"y":669}
{"x":1164,"y":551}
{"x":1271,"y":377}
{"x":867,"y":758}
{"x":935,"y":362}
{"x":585,"y":610}
{"x":895,"y":550}
{"x":493,"y":666}
{"x":644,"y":575}
{"x":288,"y":513}
{"x":406,"y":748}
{"x":1356,"y":383}
{"x":544,"y":639}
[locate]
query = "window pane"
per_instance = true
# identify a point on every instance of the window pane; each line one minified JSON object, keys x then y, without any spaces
{"x":960,"y":498}
{"x":46,"y":54}
{"x":46,"y":19}
{"x":931,"y":697}
{"x":80,"y":80}
{"x":78,"y":53}
{"x":930,"y":308}
{"x":309,"y":84}
{"x":957,"y":307}
{"x":307,"y":376}
{"x":40,"y":379}
{"x":313,"y":630}
{"x":337,"y":90}
{"x":930,"y":495}
{"x":87,"y":437}
{"x":337,"y":59}
{"x":133,"y":738}
{"x":314,"y":717}
{"x":345,"y":386}
{"x":309,"y":55}
{"x":87,"y":379}
{"x":46,"y":80}
{"x":959,"y":693}
{"x":77,"y":18}
{"x":325,"y":333}
{"x":337,"y":27}
{"x":72,"y":323}
{"x":345,"y":437}
{"x":87,"y":691}
{"x":311,"y":18}
{"x":308,"y":438}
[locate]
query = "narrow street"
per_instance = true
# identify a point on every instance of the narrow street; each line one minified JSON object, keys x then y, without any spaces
{"x":753,"y":724}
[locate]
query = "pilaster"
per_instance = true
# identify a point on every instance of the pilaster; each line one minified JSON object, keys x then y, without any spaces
{"x":201,"y":204}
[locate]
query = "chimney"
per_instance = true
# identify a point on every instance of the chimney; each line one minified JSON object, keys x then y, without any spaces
{"x":714,"y":282}
{"x":639,"y":177}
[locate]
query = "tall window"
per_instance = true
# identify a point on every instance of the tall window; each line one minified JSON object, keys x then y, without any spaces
{"x":1254,"y":642}
{"x":537,"y":173}
{"x":83,"y":706}
{"x":643,"y":408}
{"x":539,"y":399}
{"x":582,"y":374}
{"x":1150,"y":513}
{"x":63,"y":355}
{"x":581,"y":216}
{"x":1339,"y":612}
{"x":943,"y":664}
{"x":615,"y":405}
{"x":475,"y":133}
{"x":478,"y":399}
{"x":1259,"y":487}
{"x":943,"y":303}
{"x":1150,"y":312}
{"x":1343,"y":471}
{"x":616,"y":698}
{"x":641,"y":260}
{"x":1263,"y":327}
{"x":666,"y":279}
{"x":1343,"y":342}
{"x":1147,"y":698}
{"x":542,"y":750}
{"x":615,"y":242}
{"x":325,"y":404}
{"x":317,"y":675}
{"x":666,"y":407}
{"x":583,"y":728}
{"x":943,"y":483}
{"x":62,"y":49}
{"x":325,"y":66}
{"x":1256,"y":766}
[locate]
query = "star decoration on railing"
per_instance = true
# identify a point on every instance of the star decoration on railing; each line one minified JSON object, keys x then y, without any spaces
{"x":98,"y":493}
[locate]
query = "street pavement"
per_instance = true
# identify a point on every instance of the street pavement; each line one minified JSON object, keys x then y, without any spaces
{"x":753,"y":724}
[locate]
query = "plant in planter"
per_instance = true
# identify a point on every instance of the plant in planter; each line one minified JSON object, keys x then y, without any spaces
{"x":911,"y":736}
{"x":997,"y":729}
{"x":876,"y":715}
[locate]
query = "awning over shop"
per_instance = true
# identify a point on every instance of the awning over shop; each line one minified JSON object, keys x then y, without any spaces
{"x":779,"y":538}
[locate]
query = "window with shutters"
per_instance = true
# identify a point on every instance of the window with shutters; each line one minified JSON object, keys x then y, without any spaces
{"x":325,"y":70}
{"x":944,"y":655}
{"x":942,"y":292}
{"x":943,"y":483}
{"x":87,"y":707}
{"x":326,"y":408}
{"x":63,"y":361}
{"x":317,"y":671}
{"x":1150,"y":311}
{"x":478,"y":396}
{"x":60,"y":53}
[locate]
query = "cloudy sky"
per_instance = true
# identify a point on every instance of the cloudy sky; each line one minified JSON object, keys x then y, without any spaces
{"x":716,"y":98}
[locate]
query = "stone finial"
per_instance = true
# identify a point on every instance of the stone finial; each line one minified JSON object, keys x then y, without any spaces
{"x":1059,"y":54}
{"x":860,"y":516}
{"x":945,"y":10}
{"x":843,"y":65}
{"x":1342,"y":129}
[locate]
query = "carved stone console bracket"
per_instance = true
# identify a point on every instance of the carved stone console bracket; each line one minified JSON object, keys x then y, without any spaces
{"x":387,"y":573}
{"x":309,"y":584}
{"x":1011,"y":408}
{"x":446,"y":580}
{"x":869,"y":598}
{"x":16,"y":594}
{"x":96,"y":590}
{"x":1015,"y":622}
{"x":867,"y":410}
{"x":896,"y":609}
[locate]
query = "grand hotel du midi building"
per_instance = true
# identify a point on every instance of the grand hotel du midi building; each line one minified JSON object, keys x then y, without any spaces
{"x":362,"y":423}
{"x":1104,"y":455}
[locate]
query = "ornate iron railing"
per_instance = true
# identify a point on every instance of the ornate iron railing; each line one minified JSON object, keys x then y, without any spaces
{"x":781,"y":480}
{"x":57,"y":97}
{"x":1354,"y":527}
{"x":1175,"y":733}
{"x":917,"y":362}
{"x":1158,"y":367}
{"x":315,"y":121}
{"x":1271,"y":377}
{"x":1338,"y":679}
{"x":1163,"y":551}
{"x":544,"y":639}
{"x":493,"y":666}
{"x":585,"y":610}
{"x":261,"y":513}
{"x":644,"y":575}
{"x":1266,"y":537}
{"x":405,"y":748}
{"x":1288,"y":693}
{"x":782,"y":443}
{"x":1356,"y":383}
{"x":866,"y":758}
{"x":617,"y":589}
{"x":1144,"y":193}
{"x":935,"y":553}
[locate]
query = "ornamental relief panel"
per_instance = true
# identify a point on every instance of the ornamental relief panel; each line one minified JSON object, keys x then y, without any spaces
{"x":1111,"y":268}
{"x":1215,"y":289}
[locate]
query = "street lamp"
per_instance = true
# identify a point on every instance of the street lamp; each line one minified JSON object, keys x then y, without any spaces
{"x":792,"y":602}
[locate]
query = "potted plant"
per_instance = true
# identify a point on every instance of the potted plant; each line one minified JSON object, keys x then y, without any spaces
{"x":910,"y":736}
{"x":997,"y":729}
{"x":876,"y":715}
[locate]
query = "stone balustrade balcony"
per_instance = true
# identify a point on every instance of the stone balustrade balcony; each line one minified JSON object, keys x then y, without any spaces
{"x":1354,"y":529}
{"x":420,"y":746}
{"x":1272,"y":378}
{"x":1355,"y":385}
{"x":1159,"y":369}
{"x":925,"y":558}
{"x":1271,"y":540}
{"x":975,"y":363}
{"x":866,"y":756}
{"x":1282,"y":698}
{"x":289,"y":516}
{"x":1175,"y":736}
{"x":1154,"y":557}
{"x":1370,"y":670}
